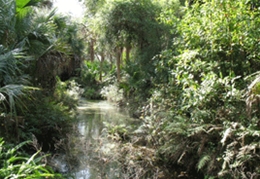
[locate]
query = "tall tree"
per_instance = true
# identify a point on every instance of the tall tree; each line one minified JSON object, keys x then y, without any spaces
{"x":133,"y":25}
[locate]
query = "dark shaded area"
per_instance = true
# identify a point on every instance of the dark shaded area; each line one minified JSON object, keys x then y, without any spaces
{"x":52,"y":65}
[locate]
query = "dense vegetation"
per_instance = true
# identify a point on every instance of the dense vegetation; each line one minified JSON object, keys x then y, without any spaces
{"x":37,"y":48}
{"x":189,"y":70}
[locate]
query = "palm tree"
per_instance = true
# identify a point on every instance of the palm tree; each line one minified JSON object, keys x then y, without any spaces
{"x":13,"y":59}
{"x":32,"y":39}
{"x":64,"y":52}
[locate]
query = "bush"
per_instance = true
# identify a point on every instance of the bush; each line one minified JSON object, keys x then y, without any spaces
{"x":89,"y":80}
{"x":48,"y":119}
{"x":14,"y":164}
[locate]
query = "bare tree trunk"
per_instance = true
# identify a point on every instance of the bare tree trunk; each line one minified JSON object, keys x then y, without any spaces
{"x":118,"y":62}
{"x":110,"y":56}
{"x":101,"y":66}
{"x":92,"y":51}
{"x":128,"y":49}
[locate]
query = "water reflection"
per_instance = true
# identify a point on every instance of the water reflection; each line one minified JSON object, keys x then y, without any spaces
{"x":87,"y":140}
{"x":83,"y":174}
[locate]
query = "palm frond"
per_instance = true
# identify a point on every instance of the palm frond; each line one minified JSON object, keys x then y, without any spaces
{"x":203,"y":161}
{"x":41,"y":36}
{"x":7,"y":21}
{"x":12,"y":92}
{"x":13,"y":95}
{"x":7,"y":65}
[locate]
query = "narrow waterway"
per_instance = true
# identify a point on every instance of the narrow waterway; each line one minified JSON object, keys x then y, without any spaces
{"x":89,"y":150}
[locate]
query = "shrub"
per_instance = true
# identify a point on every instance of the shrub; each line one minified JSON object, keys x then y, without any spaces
{"x":14,"y":164}
{"x":112,"y":93}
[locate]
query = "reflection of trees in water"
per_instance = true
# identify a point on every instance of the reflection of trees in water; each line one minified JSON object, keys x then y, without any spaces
{"x":88,"y":137}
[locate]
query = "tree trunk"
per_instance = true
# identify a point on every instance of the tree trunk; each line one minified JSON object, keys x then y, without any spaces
{"x":118,"y":62}
{"x":101,"y":66}
{"x":111,"y":59}
{"x":128,"y":49}
{"x":92,"y":51}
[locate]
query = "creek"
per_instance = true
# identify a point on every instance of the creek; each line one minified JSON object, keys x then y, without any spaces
{"x":88,"y":150}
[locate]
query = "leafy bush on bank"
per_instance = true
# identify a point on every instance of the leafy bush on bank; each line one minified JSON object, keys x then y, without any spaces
{"x":201,"y":117}
{"x":14,"y":164}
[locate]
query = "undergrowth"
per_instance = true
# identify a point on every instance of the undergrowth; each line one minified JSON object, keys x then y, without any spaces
{"x":212,"y":133}
{"x":15,"y":164}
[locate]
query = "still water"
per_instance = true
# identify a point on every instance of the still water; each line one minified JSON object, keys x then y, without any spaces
{"x":89,"y":151}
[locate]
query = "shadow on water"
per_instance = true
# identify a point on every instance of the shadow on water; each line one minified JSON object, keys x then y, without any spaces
{"x":88,"y":141}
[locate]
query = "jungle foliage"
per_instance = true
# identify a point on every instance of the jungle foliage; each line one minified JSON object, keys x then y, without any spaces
{"x":38,"y":47}
{"x":15,"y":164}
{"x":189,"y":70}
{"x":192,"y":67}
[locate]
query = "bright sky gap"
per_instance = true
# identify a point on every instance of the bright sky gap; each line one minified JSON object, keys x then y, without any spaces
{"x":69,"y":7}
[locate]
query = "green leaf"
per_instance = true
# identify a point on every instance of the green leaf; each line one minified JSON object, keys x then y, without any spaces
{"x":22,"y":3}
{"x":203,"y":161}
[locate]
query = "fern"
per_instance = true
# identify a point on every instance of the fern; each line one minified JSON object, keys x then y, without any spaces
{"x":203,"y":161}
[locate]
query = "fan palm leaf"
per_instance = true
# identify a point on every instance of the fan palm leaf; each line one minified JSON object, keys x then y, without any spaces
{"x":41,"y":37}
{"x":7,"y":22}
{"x":13,"y":82}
